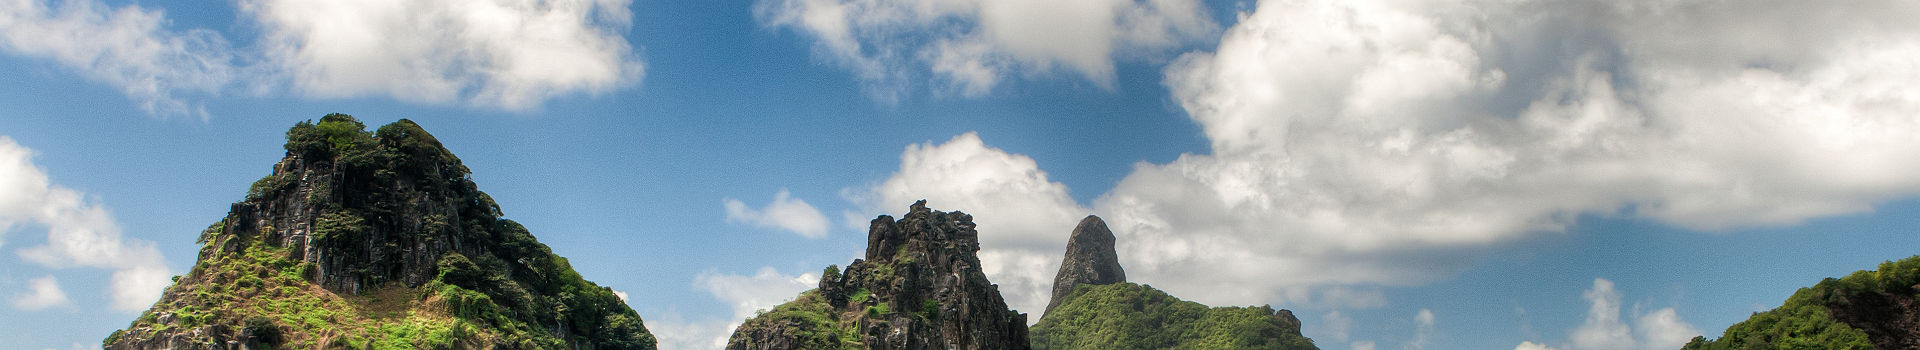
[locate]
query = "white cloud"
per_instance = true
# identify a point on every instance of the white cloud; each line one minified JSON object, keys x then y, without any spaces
{"x":622,"y":295}
{"x":972,"y":45}
{"x":79,"y":234}
{"x":1424,"y":331}
{"x":126,"y":47}
{"x":1605,"y":329}
{"x":1362,"y":345}
{"x":1663,"y":329}
{"x":1338,"y":324}
{"x":763,"y":290}
{"x":785,"y":212}
{"x":1389,"y":142}
{"x":1527,"y":345}
{"x":508,"y":54}
{"x":1023,"y":218}
{"x":674,"y":332}
{"x":42,"y":293}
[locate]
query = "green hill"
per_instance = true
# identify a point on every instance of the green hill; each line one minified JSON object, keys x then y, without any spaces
{"x":1864,"y":310}
{"x":1133,"y":316}
{"x":377,"y":239}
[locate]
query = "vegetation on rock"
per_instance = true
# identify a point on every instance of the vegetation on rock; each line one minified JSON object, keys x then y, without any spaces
{"x":1864,"y":310}
{"x":378,"y":240}
{"x":1134,"y":316}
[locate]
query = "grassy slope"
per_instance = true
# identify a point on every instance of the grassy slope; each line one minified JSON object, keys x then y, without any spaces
{"x":1134,"y":316}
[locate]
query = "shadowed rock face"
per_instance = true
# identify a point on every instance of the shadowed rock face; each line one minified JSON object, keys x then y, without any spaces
{"x":919,"y":287}
{"x":1090,"y":260}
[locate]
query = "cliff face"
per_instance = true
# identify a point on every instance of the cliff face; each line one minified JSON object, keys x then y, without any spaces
{"x":919,"y":287}
{"x":377,"y":238}
{"x":1094,"y":307}
{"x":1090,"y":260}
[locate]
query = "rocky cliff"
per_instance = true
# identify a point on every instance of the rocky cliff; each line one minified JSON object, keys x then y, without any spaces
{"x":377,"y":239}
{"x":1094,"y":307}
{"x":1090,"y":260}
{"x":919,"y":287}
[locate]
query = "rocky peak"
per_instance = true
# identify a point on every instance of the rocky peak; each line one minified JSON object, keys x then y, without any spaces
{"x":1090,"y":259}
{"x":353,"y":227}
{"x":919,"y":286}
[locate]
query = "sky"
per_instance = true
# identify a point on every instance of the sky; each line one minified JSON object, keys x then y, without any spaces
{"x":1401,"y":174}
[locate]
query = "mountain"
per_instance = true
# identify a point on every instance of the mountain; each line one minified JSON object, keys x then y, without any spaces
{"x":1090,"y":260}
{"x":1877,"y":309}
{"x":1094,"y":307}
{"x":377,"y":240}
{"x":919,"y":287}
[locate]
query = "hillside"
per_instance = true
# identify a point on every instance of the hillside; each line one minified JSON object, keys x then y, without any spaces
{"x":1877,"y":309}
{"x":1135,"y":316}
{"x":919,"y":287}
{"x":1093,"y":307}
{"x":377,"y":239}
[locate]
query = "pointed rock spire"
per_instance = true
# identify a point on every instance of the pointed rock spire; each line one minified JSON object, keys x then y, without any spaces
{"x":1090,"y":260}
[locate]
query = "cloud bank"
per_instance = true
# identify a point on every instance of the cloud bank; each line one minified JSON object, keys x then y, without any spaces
{"x":1364,"y":143}
{"x":79,"y":234}
{"x":504,"y":54}
{"x":970,"y":46}
{"x":1386,"y":142}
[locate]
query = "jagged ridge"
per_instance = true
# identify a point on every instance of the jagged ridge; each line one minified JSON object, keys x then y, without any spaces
{"x":377,"y":239}
{"x":919,"y":287}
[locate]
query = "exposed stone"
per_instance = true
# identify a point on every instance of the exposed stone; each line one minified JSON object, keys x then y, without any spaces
{"x":1090,"y":260}
{"x":923,"y":272}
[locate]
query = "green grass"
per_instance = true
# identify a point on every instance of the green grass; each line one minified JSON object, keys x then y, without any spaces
{"x":1134,"y":316}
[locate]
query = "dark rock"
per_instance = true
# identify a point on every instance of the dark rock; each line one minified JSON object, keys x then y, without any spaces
{"x":919,"y":287}
{"x":364,"y":220}
{"x":1090,"y":260}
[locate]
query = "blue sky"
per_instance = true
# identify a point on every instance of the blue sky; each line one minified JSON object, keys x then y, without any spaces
{"x":1567,"y":175}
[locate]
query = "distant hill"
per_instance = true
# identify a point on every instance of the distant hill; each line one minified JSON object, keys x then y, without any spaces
{"x":919,"y":287}
{"x":1877,"y":309}
{"x":1093,"y":307}
{"x":377,"y":239}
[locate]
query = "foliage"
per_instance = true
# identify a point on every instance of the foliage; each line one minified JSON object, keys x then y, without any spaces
{"x":1133,"y":316}
{"x":378,"y":194}
{"x":1806,"y":320}
{"x":814,"y":323}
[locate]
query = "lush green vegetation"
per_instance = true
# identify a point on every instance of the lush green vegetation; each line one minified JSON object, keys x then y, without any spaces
{"x":375,"y":193}
{"x":816,"y":324}
{"x":1134,"y":316}
{"x":1807,"y":319}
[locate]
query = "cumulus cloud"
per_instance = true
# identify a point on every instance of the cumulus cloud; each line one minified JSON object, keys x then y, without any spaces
{"x":1605,"y":329}
{"x":502,"y":53}
{"x":1023,"y":218}
{"x":785,"y":212}
{"x":505,"y":54}
{"x":972,"y":45}
{"x":747,"y":295}
{"x":79,"y":234}
{"x":126,"y":47}
{"x":41,"y":293}
{"x":1389,"y":142}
